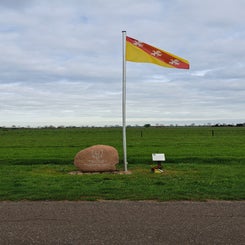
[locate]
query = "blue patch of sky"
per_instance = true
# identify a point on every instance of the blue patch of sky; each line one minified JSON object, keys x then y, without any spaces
{"x":84,"y":19}
{"x":8,"y":28}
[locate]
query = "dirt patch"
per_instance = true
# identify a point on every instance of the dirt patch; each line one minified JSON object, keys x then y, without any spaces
{"x":107,"y":172}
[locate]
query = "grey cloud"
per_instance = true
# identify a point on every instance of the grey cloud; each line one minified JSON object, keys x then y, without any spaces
{"x":61,"y":61}
{"x":15,"y":4}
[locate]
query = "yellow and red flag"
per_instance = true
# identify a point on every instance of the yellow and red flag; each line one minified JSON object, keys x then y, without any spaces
{"x":137,"y":51}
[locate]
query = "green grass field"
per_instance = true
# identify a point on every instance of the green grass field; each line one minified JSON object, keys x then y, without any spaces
{"x":201,"y":163}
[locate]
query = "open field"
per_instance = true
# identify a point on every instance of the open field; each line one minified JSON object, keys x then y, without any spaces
{"x":201,"y":163}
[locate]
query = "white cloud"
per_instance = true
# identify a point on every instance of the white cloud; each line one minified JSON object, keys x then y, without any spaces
{"x":61,"y":61}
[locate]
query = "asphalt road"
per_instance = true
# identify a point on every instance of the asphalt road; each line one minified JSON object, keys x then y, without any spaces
{"x":122,"y":222}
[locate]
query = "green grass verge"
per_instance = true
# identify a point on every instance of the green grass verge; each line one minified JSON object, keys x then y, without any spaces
{"x":201,"y":164}
{"x":178,"y":182}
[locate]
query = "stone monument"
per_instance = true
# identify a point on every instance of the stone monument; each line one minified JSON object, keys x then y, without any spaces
{"x":97,"y":158}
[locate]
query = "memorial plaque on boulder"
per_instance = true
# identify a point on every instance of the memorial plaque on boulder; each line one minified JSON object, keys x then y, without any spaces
{"x":97,"y":158}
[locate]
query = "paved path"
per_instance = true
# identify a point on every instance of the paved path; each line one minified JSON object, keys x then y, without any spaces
{"x":122,"y":222}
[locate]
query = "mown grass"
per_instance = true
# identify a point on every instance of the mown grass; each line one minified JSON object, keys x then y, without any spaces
{"x":35,"y":164}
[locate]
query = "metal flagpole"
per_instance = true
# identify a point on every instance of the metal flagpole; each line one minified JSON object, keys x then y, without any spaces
{"x":124,"y":99}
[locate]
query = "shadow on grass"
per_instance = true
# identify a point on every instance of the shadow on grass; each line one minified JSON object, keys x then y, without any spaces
{"x":132,"y":162}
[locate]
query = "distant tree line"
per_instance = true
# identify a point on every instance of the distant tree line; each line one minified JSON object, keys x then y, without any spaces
{"x":147,"y":125}
{"x":229,"y":125}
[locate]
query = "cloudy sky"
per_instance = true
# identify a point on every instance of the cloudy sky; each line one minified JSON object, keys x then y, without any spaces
{"x":61,"y":62}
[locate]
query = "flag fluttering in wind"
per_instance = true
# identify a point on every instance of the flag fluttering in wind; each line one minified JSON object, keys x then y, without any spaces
{"x":137,"y":51}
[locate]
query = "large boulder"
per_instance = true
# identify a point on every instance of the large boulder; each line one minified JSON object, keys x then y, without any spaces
{"x":97,"y":158}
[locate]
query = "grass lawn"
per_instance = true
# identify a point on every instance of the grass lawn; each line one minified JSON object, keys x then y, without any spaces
{"x":35,"y":164}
